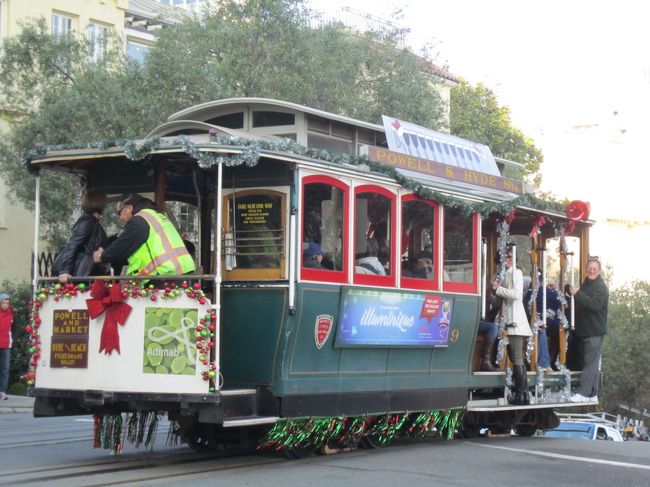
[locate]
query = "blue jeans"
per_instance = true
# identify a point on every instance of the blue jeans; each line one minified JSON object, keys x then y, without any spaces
{"x":5,"y":354}
{"x":488,"y":329}
{"x":543,"y":357}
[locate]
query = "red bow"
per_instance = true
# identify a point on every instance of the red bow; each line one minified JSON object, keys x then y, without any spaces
{"x":541,"y":221}
{"x":109,"y":300}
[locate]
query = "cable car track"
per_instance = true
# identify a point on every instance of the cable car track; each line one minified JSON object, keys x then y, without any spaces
{"x":131,"y":470}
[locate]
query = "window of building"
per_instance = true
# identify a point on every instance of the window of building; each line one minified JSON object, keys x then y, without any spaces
{"x":61,"y":24}
{"x":254,"y":243}
{"x":136,"y":51}
{"x":460,"y":250}
{"x":229,"y":121}
{"x":264,"y":118}
{"x":374,"y":236}
{"x":419,"y":240}
{"x":97,"y":38}
{"x":324,"y":229}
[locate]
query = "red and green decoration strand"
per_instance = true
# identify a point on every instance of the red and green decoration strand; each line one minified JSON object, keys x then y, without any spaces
{"x":206,"y":329}
{"x":109,"y":432}
{"x":317,"y":432}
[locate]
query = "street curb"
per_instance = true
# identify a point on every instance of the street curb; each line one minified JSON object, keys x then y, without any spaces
{"x":17,"y":404}
{"x":16,"y":409}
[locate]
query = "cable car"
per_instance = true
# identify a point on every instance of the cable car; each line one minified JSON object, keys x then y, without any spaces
{"x":341,"y":283}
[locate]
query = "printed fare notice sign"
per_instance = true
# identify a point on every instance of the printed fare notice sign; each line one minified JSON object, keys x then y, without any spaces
{"x":70,"y":339}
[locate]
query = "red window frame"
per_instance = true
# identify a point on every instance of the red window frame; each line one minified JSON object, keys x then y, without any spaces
{"x":369,"y":279}
{"x":318,"y":274}
{"x":465,"y":287}
{"x":425,"y":284}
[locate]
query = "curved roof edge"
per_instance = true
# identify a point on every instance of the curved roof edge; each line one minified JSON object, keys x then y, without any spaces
{"x":205,"y":107}
{"x":167,"y":128}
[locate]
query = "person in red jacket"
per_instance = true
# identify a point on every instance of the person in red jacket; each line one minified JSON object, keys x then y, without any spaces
{"x":6,"y":320}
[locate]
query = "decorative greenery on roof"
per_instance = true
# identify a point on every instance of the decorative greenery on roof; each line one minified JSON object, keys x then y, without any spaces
{"x":249,"y":152}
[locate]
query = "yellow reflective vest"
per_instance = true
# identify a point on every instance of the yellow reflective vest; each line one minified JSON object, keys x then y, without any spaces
{"x":163,"y":253}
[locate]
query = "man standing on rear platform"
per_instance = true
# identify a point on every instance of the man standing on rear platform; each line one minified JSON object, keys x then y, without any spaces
{"x":591,"y":327}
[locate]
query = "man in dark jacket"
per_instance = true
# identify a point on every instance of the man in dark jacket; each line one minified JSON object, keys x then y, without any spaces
{"x":591,"y":327}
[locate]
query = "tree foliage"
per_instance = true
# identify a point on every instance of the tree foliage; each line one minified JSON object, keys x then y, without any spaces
{"x":255,"y":48}
{"x":476,"y":115}
{"x":58,"y":97}
{"x":626,"y":346}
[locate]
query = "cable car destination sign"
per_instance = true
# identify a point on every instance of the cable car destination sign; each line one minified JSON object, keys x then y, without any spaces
{"x":424,"y":151}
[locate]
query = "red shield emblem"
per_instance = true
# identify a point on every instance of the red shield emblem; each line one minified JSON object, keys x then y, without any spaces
{"x":322,"y":330}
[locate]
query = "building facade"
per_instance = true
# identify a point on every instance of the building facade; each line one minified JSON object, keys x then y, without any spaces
{"x":132,"y":22}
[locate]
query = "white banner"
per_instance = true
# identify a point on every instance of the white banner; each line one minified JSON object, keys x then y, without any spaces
{"x":414,"y":140}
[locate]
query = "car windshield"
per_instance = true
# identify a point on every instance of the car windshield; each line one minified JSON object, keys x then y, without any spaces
{"x":581,"y":431}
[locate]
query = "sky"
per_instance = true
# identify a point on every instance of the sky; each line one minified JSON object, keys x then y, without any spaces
{"x":576,"y":77}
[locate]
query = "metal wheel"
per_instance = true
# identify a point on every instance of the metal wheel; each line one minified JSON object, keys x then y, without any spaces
{"x":469,"y":431}
{"x":302,"y":452}
{"x":370,"y":442}
{"x":202,"y":437}
{"x":526,"y":429}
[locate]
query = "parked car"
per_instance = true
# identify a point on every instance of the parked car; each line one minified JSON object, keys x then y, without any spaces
{"x":584,"y":430}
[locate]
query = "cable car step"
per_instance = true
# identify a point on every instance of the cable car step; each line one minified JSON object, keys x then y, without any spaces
{"x":249,"y":421}
{"x":238,"y":392}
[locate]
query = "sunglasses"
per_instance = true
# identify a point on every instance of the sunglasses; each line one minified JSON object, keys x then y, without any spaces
{"x":120,"y":210}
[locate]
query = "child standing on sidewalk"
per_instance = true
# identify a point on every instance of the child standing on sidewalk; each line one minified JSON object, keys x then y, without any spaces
{"x":6,"y":320}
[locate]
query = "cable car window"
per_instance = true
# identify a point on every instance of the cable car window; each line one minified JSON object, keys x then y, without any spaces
{"x":324,"y":224}
{"x":374,"y":236}
{"x":272,"y":119}
{"x":418,"y":243}
{"x":230,"y":121}
{"x":459,"y":248}
{"x":254,"y":242}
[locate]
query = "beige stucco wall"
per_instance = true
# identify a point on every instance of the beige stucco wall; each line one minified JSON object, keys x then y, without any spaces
{"x":16,"y":239}
{"x":17,"y":223}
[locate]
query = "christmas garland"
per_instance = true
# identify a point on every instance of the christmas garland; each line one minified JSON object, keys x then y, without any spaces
{"x":341,"y":431}
{"x":249,"y":152}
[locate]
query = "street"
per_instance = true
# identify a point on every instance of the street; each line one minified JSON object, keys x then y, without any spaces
{"x":59,"y":451}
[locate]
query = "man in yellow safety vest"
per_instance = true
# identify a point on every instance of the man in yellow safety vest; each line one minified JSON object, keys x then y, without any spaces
{"x":149,"y":242}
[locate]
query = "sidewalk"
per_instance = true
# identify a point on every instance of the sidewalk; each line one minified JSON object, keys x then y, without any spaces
{"x":17,"y":404}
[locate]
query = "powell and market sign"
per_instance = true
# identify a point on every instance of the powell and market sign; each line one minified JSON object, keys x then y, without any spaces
{"x":420,"y":150}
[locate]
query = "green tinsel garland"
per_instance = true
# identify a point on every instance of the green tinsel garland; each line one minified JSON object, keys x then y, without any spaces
{"x":317,"y":432}
{"x":250,"y":151}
